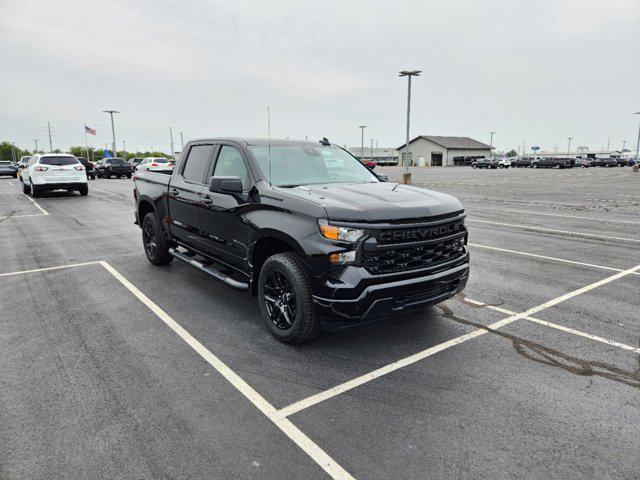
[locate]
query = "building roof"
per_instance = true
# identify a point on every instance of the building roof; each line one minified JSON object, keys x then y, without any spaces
{"x":463,"y":143}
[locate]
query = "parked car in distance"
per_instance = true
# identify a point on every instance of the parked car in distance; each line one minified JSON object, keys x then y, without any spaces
{"x":322,"y":241}
{"x":521,"y":162}
{"x":88,"y":166}
{"x":134,"y":162}
{"x":53,"y":171}
{"x":484,"y":163}
{"x":7,"y":168}
{"x":604,"y":162}
{"x":369,"y":164}
{"x":504,"y":163}
{"x":624,"y":162}
{"x":154,"y":163}
{"x":551,"y":162}
{"x":23,"y":161}
{"x":113,"y":167}
{"x":582,"y":163}
{"x":631,"y":161}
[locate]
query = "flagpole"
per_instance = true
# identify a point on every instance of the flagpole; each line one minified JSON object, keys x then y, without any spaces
{"x":86,"y":143}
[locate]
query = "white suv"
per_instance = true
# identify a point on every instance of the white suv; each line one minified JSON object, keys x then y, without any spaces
{"x":154,"y":163}
{"x":53,"y":171}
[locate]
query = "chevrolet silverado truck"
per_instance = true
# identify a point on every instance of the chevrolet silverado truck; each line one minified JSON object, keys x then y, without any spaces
{"x":113,"y":167}
{"x":321,"y":240}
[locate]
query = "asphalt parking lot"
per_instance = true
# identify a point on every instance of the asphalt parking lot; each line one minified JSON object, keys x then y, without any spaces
{"x":114,"y":368}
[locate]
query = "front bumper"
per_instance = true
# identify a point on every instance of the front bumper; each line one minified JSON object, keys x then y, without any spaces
{"x":379,"y":300}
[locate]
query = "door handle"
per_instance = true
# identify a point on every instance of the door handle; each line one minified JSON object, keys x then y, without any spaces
{"x":206,"y":199}
{"x":174,"y":191}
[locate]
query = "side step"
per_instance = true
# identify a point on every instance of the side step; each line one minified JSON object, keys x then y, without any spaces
{"x":212,"y":272}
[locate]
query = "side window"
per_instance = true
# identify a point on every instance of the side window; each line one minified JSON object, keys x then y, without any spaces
{"x":197,"y":163}
{"x":32,"y":160}
{"x":230,"y":164}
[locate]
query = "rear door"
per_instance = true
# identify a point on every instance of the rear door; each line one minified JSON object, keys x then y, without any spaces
{"x":184,"y":196}
{"x":225,"y":233}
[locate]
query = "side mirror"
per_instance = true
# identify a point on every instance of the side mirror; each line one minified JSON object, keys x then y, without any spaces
{"x":225,"y":185}
{"x":383,"y":178}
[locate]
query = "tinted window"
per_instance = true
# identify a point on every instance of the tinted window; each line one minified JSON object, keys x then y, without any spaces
{"x":58,"y":161}
{"x":230,"y":164}
{"x":197,"y":163}
{"x":115,"y":161}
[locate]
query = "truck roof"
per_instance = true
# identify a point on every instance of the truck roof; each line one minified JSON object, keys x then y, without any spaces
{"x":260,"y":142}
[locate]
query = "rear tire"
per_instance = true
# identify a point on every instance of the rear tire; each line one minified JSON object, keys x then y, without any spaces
{"x":35,"y":190}
{"x":153,"y":241}
{"x":288,"y":311}
{"x":26,"y":189}
{"x":84,"y":190}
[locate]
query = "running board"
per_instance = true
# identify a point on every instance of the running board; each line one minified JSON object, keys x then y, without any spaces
{"x":212,"y":272}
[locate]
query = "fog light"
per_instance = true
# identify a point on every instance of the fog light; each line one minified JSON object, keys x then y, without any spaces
{"x":342,"y":257}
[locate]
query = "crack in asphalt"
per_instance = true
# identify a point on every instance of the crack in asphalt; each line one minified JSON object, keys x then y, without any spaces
{"x":8,"y":216}
{"x":551,"y":357}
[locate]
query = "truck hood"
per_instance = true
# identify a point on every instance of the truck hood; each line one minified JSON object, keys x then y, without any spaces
{"x":377,"y":202}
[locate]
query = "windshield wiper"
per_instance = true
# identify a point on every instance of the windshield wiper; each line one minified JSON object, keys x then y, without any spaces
{"x":293,"y":185}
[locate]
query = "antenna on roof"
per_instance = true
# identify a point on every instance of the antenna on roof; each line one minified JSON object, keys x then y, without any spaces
{"x":269,"y":139}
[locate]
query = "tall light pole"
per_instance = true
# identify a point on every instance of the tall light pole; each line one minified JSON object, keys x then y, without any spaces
{"x":624,"y":145}
{"x":362,"y":127}
{"x":181,"y":142}
{"x":124,"y":150}
{"x":569,"y":145}
{"x":406,"y":176}
{"x":491,"y":144}
{"x":173,"y":153}
{"x":638,"y":143}
{"x":113,"y":130}
{"x":371,"y":151}
{"x":50,"y":143}
{"x":36,"y":141}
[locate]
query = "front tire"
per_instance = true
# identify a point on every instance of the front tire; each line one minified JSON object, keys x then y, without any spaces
{"x":153,"y":241}
{"x":26,"y":189}
{"x":286,"y":302}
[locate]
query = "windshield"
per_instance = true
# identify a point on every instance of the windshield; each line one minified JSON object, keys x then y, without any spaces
{"x":305,"y":165}
{"x":58,"y":161}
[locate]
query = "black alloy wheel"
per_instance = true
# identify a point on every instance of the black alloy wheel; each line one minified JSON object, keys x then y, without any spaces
{"x":280,"y":300}
{"x":149,"y":239}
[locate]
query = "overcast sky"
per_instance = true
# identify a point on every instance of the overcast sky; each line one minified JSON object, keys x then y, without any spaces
{"x":538,"y":70}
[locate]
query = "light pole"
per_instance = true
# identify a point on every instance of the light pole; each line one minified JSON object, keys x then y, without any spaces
{"x":624,"y":145}
{"x":181,"y":142}
{"x":371,"y":151}
{"x":113,"y":130}
{"x":569,"y":145}
{"x":50,"y":143}
{"x":362,"y":127}
{"x":638,"y":143}
{"x":124,"y":150}
{"x":173,"y":153}
{"x":36,"y":141}
{"x":491,"y":144}
{"x":406,"y":176}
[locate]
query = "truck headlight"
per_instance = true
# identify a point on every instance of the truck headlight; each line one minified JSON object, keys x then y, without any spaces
{"x":342,"y":234}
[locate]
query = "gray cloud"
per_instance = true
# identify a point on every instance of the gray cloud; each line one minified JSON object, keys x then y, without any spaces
{"x":540,"y":70}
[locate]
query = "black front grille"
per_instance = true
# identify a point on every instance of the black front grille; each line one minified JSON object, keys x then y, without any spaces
{"x":404,"y":258}
{"x":419,"y":234}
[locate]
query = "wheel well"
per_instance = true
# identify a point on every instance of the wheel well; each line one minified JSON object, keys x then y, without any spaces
{"x":263,"y":249}
{"x":144,"y":208}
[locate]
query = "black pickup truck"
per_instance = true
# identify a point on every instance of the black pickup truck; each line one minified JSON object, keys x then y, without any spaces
{"x":113,"y":167}
{"x":321,"y":240}
{"x":551,"y":162}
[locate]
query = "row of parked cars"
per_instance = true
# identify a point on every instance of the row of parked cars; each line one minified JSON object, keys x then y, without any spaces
{"x":552,"y":162}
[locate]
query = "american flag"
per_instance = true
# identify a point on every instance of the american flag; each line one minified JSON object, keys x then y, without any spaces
{"x":89,"y":130}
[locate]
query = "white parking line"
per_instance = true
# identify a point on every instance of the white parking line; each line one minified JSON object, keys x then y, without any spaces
{"x":544,"y":257}
{"x":558,"y":327}
{"x":46,"y":269}
{"x":551,"y":230}
{"x":10,"y":183}
{"x":351,"y":384}
{"x":327,"y":463}
{"x":112,"y":193}
{"x":44,"y":212}
{"x":579,"y":217}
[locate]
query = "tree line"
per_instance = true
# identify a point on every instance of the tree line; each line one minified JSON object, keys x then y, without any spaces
{"x":10,"y":152}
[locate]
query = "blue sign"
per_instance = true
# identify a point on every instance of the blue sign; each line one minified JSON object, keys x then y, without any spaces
{"x":107,"y":153}
{"x":535,"y":148}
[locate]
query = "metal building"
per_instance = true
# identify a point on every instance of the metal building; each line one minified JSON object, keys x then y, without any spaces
{"x":431,"y":150}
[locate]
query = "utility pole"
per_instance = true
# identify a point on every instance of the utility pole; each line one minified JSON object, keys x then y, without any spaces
{"x":50,"y":143}
{"x":624,"y":145}
{"x":13,"y":152}
{"x":491,"y":144}
{"x":362,"y":127}
{"x":36,"y":140}
{"x":637,"y":144}
{"x":173,"y":154}
{"x":181,"y":142}
{"x":406,"y":176}
{"x":569,"y":145}
{"x":113,"y":130}
{"x":524,"y":152}
{"x":371,"y":151}
{"x":609,"y":143}
{"x":124,"y":150}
